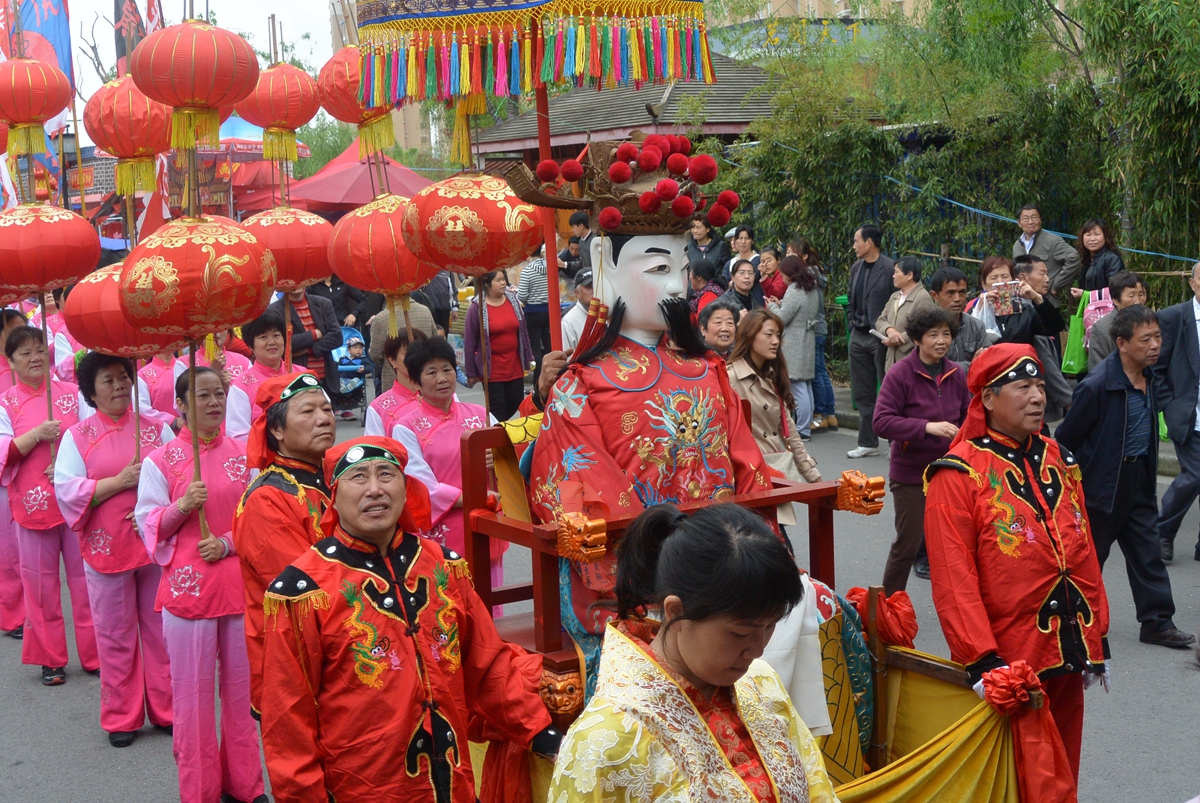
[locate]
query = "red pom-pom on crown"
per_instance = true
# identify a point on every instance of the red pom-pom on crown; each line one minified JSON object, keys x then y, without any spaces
{"x":673,"y":141}
{"x":572,"y":170}
{"x":718,"y":216}
{"x":650,"y":158}
{"x":683,"y":206}
{"x":667,"y":189}
{"x":677,"y":163}
{"x":650,"y":203}
{"x":547,"y":171}
{"x":702,"y":169}
{"x":728,"y":199}
{"x":658,"y":141}
{"x":627,"y":152}
{"x":620,"y":172}
{"x":609,"y":218}
{"x":685,"y":146}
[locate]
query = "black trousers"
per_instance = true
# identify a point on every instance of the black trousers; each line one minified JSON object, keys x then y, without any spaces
{"x":441,"y":317}
{"x":505,"y":397}
{"x":538,"y":324}
{"x":1133,"y":524}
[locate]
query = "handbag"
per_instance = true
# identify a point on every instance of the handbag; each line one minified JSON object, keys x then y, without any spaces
{"x":1074,"y":361}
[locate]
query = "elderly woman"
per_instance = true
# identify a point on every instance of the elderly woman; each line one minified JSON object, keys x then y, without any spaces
{"x":201,"y":595}
{"x":759,"y":374}
{"x":495,"y":335}
{"x":800,"y":311}
{"x":910,"y":296}
{"x":46,"y":543}
{"x":922,"y":403}
{"x":95,"y":479}
{"x":685,"y":710}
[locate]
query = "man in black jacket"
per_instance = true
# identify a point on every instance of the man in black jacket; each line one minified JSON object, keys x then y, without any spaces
{"x":349,"y":303}
{"x":1111,"y":428}
{"x":314,"y":339}
{"x":1178,"y":378}
{"x":870,"y":288}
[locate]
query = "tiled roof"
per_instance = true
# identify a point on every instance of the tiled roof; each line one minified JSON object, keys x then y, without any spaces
{"x":728,"y":101}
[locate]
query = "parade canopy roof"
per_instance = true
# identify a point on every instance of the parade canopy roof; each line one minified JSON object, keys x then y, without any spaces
{"x":348,"y":182}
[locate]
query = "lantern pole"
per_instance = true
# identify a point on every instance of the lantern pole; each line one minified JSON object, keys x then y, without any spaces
{"x":130,"y":241}
{"x":548,"y":224}
{"x":195,"y":431}
{"x":483,"y":348}
{"x":49,"y":369}
{"x":64,"y":187}
{"x":79,"y":153}
{"x":287,"y":333}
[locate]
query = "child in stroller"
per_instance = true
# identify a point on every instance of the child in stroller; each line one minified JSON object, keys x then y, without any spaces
{"x":354,"y":369}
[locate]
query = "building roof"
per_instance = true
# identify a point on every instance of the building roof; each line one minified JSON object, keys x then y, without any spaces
{"x":613,"y":113}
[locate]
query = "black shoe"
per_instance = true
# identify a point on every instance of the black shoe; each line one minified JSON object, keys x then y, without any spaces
{"x":167,"y":729}
{"x":1168,"y":549}
{"x":122,"y":738}
{"x":1172,"y":637}
{"x":921,"y":569}
{"x":1197,"y":553}
{"x":54,"y":675}
{"x":18,"y":634}
{"x":93,"y":672}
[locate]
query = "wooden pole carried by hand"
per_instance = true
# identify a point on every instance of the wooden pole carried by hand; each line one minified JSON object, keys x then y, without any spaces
{"x":195,"y":430}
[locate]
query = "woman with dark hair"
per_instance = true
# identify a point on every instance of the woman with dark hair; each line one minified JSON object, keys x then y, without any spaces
{"x":824,"y":403}
{"x":774,"y":285}
{"x":1098,"y":257}
{"x":706,"y":243}
{"x":684,"y":709}
{"x":496,"y":333}
{"x":46,"y":543}
{"x":431,"y":430}
{"x":266,"y":337}
{"x":799,"y":309}
{"x":708,"y":284}
{"x":741,"y":286}
{"x":743,"y":249}
{"x":759,"y":374}
{"x":202,"y":596}
{"x":96,"y":477}
{"x":922,"y":403}
{"x":910,"y":296}
{"x":404,"y":392}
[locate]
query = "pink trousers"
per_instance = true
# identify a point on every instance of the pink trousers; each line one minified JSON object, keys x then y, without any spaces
{"x":45,"y":642}
{"x":196,"y":646}
{"x":12,"y":599}
{"x":135,"y":674}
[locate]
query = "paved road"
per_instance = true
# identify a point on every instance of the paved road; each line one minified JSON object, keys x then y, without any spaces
{"x":1140,"y":741}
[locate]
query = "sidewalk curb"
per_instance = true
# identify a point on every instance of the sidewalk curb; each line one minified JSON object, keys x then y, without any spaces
{"x":1168,"y":462}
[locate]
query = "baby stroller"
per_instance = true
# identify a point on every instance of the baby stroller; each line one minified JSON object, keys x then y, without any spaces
{"x":352,"y":385}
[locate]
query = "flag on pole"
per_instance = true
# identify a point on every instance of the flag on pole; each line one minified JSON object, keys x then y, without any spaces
{"x":128,"y":29}
{"x":156,"y":212}
{"x":46,"y":33}
{"x":154,"y":16}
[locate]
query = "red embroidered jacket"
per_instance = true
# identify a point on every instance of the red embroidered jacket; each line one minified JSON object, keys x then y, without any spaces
{"x":1014,"y":571}
{"x":373,"y":667}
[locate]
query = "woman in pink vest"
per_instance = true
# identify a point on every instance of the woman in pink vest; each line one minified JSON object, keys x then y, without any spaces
{"x":45,"y":541}
{"x":265,"y":337}
{"x":12,"y":599}
{"x":95,"y":479}
{"x":202,"y":598}
{"x":159,"y":376}
{"x":402,"y":395}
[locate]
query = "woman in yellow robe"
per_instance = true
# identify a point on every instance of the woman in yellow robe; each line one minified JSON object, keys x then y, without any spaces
{"x":685,"y":711}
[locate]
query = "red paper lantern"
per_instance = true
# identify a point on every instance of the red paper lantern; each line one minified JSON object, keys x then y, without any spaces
{"x":299,"y":241}
{"x":195,"y":68}
{"x":368,"y":251}
{"x":338,"y":85}
{"x":3,"y":138}
{"x":92,"y":313}
{"x":130,"y":126}
{"x":471,"y":224}
{"x":285,"y":98}
{"x":44,"y":247}
{"x":31,"y":92}
{"x":193,"y":277}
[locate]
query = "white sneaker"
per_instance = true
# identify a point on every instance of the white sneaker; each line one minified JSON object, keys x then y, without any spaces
{"x":862,"y":451}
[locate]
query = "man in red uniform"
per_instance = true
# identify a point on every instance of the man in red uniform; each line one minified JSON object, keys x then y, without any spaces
{"x":279,"y":516}
{"x":379,"y":652}
{"x":1014,"y":572}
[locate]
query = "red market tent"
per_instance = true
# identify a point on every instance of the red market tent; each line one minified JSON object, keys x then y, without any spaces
{"x":348,"y":182}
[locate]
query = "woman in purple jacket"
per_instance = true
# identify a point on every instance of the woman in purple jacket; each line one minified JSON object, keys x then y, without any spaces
{"x":922,"y":403}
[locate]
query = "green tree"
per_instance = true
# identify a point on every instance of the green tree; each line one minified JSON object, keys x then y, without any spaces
{"x":326,"y":138}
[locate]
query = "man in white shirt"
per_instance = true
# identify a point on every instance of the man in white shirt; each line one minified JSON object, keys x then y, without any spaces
{"x":1179,"y":395}
{"x":572,"y":322}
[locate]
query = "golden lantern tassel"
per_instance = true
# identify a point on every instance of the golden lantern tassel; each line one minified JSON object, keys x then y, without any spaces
{"x":210,"y":349}
{"x":24,"y":138}
{"x":460,"y":141}
{"x":393,"y":327}
{"x":279,"y":144}
{"x":375,"y":135}
{"x":134,"y":175}
{"x":195,"y":127}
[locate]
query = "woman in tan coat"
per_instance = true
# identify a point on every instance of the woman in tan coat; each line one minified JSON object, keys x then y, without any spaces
{"x":909,"y":297}
{"x":759,"y":374}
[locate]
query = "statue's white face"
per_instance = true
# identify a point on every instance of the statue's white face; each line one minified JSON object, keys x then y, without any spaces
{"x":649,"y":271}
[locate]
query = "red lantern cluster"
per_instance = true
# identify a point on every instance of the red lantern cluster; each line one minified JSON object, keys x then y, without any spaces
{"x":31,"y":92}
{"x":471,"y":224}
{"x":193,"y":277}
{"x":196,"y":68}
{"x":44,"y":247}
{"x":299,"y":241}
{"x":338,"y":85}
{"x":92,"y":313}
{"x":368,"y":251}
{"x":285,"y":99}
{"x":130,"y":126}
